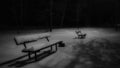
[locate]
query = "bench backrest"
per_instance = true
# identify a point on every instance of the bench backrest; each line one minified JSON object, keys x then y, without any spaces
{"x":30,"y":38}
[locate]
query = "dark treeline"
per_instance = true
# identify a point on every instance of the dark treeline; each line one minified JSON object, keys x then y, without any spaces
{"x":24,"y":13}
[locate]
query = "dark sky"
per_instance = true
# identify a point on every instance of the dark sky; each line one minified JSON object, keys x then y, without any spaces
{"x":64,"y":13}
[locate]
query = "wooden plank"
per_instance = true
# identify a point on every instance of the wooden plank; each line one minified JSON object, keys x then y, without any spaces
{"x":43,"y":46}
{"x":30,"y":38}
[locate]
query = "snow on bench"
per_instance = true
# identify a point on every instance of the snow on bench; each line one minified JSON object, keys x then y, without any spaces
{"x":30,"y":38}
{"x":41,"y":46}
{"x":25,"y":39}
{"x":80,"y":35}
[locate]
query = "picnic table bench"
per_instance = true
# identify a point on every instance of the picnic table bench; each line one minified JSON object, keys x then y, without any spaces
{"x":27,"y":39}
{"x":80,"y":35}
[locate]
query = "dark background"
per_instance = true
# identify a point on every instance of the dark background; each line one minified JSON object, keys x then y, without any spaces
{"x":65,"y":13}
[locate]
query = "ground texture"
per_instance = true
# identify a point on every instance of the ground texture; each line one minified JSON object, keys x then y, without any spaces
{"x":70,"y":56}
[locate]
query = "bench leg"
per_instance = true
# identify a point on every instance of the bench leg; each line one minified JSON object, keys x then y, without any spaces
{"x":35,"y":56}
{"x":56,"y":47}
{"x":29,"y":55}
{"x":47,"y":39}
{"x":51,"y":48}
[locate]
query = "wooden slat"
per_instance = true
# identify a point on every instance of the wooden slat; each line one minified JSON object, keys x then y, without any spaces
{"x":30,"y":38}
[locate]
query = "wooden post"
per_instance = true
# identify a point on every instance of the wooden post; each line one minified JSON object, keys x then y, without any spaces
{"x":25,"y":45}
{"x":78,"y":14}
{"x":63,"y":16}
{"x":51,"y":15}
{"x":51,"y":48}
{"x":29,"y":55}
{"x":21,"y":12}
{"x":56,"y":46}
{"x":35,"y":56}
{"x":47,"y":39}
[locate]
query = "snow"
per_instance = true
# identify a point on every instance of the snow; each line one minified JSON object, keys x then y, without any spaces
{"x":61,"y":59}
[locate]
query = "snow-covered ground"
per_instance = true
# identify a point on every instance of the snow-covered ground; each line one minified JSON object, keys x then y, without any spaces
{"x":63,"y":57}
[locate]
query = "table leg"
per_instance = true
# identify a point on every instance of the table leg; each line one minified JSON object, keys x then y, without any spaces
{"x":47,"y":39}
{"x":29,"y":55}
{"x":56,"y":47}
{"x":35,"y":56}
{"x":51,"y":48}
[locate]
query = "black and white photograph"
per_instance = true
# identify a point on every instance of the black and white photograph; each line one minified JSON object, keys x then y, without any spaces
{"x":60,"y":34}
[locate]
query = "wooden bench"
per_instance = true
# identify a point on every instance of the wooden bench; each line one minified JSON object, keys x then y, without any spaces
{"x":27,"y":39}
{"x":80,"y":35}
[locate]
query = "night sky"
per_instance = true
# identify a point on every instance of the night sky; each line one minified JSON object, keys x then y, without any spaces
{"x":65,"y":13}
